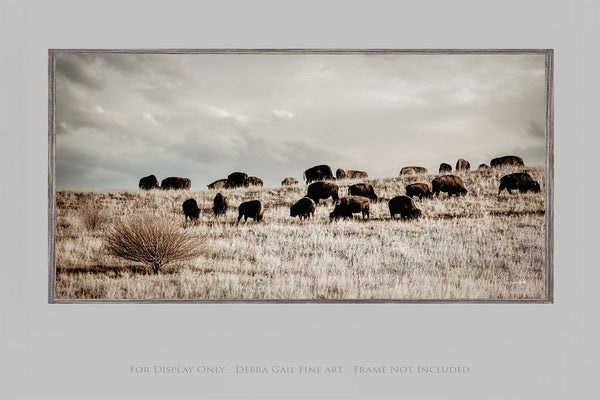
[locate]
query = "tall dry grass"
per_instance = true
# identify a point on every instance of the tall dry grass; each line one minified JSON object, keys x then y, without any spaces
{"x":481,"y":246}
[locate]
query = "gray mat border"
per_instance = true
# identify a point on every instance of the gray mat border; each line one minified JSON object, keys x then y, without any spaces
{"x":549,"y":214}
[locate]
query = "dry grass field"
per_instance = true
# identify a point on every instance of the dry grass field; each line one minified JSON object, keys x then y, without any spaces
{"x":481,"y":246}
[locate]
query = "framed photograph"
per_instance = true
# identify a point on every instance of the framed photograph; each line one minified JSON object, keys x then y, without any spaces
{"x":123,"y":275}
{"x":301,"y":175}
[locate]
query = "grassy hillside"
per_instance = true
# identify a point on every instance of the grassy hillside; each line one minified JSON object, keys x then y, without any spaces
{"x":481,"y":246}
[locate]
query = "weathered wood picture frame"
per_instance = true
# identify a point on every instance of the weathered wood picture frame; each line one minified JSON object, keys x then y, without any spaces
{"x":548,"y":194}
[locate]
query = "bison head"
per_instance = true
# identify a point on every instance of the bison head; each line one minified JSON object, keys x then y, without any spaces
{"x":463,"y":192}
{"x":415,"y":213}
{"x":535,"y":187}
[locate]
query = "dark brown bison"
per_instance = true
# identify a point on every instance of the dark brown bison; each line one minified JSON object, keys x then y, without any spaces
{"x":450,"y":184}
{"x":413,"y":170}
{"x":462,"y":165}
{"x":251,"y":209}
{"x":350,"y":174}
{"x":322,"y":190}
{"x":148,"y":182}
{"x":190,"y":209}
{"x":483,"y":167}
{"x":175,"y":183}
{"x":218,"y":184}
{"x":237,"y":179}
{"x":418,"y":189}
{"x":363,"y":189}
{"x":445,"y":168}
{"x":254,"y":181}
{"x":349,"y":205}
{"x":305,"y":207}
{"x":519,"y":180}
{"x":318,"y":173}
{"x":404,"y":206}
{"x":220,"y":204}
{"x":507,"y":161}
{"x":289,"y":181}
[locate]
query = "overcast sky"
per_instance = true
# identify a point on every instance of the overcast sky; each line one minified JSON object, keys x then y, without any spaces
{"x":120,"y":117}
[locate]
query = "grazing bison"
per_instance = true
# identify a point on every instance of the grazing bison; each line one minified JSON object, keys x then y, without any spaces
{"x":350,"y":174}
{"x":148,"y":182}
{"x":305,"y":207}
{"x":482,"y":167}
{"x":251,"y":209}
{"x":349,"y":205}
{"x":507,"y":161}
{"x":318,"y":173}
{"x":190,"y":209}
{"x":218,"y":184}
{"x":175,"y":183}
{"x":445,"y":168}
{"x":412,"y":170}
{"x":462,"y":165}
{"x":450,"y":184}
{"x":404,"y":206}
{"x":254,"y":181}
{"x":220,"y":204}
{"x":418,"y":189}
{"x":521,"y":181}
{"x":289,"y":181}
{"x":364,"y":190}
{"x":237,"y":179}
{"x":322,"y":190}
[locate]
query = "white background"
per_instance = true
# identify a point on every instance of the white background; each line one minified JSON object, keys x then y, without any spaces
{"x":85,"y":351}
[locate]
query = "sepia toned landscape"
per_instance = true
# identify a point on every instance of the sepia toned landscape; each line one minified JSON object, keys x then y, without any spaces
{"x":311,"y":177}
{"x":480,"y":246}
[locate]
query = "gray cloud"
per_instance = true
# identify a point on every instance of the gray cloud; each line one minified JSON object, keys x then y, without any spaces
{"x":120,"y":117}
{"x":79,"y":69}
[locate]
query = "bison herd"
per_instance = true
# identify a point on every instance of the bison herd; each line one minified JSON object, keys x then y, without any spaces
{"x":359,"y":195}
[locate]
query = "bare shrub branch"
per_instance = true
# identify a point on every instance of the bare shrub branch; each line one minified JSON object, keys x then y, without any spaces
{"x":153,"y":241}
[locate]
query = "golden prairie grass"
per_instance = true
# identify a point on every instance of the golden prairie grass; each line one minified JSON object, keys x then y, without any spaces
{"x":481,"y":246}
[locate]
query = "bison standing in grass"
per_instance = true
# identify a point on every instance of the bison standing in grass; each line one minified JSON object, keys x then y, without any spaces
{"x":450,"y":184}
{"x":218,"y":184}
{"x":175,"y":183}
{"x":519,"y":180}
{"x":350,"y":174}
{"x":349,"y":205}
{"x":445,"y":168}
{"x":305,"y":207}
{"x":190,"y":209}
{"x":254,"y":181}
{"x":507,"y":161}
{"x":251,"y":209}
{"x":318,"y":173}
{"x":404,"y":206}
{"x":363,"y":189}
{"x":413,"y":170}
{"x":418,"y":189}
{"x":220,"y":204}
{"x":289,"y":181}
{"x":483,"y":167}
{"x":148,"y":182}
{"x":462,"y":165}
{"x":236,"y":179}
{"x":322,"y":190}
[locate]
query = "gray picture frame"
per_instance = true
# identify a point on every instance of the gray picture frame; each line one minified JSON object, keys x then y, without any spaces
{"x":549,"y":168}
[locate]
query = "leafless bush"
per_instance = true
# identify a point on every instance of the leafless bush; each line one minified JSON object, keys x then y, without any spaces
{"x":92,"y":215}
{"x":153,"y":241}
